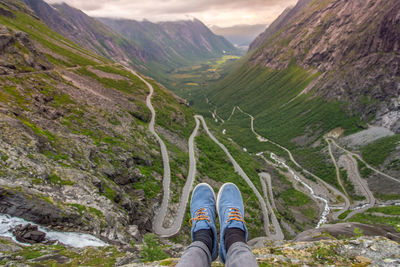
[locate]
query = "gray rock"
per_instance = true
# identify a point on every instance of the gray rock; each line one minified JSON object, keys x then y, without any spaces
{"x":28,"y":234}
{"x":36,"y":210}
{"x":339,"y":230}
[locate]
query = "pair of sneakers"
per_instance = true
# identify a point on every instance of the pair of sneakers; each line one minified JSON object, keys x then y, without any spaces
{"x":204,"y":208}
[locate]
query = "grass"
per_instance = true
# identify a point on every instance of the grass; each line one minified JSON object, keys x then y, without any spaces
{"x":55,"y":179}
{"x":294,"y":198}
{"x":38,"y":31}
{"x":214,"y":164}
{"x":82,"y":209}
{"x":387,"y":196}
{"x":377,"y":152}
{"x":15,"y":94}
{"x":125,"y":86}
{"x":269,"y":95}
{"x":172,"y":115}
{"x":365,"y":172}
{"x":348,"y":185}
{"x":344,"y":214}
{"x":38,"y":131}
{"x":369,"y":217}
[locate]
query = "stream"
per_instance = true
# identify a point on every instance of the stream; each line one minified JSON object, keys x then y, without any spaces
{"x":327,"y":209}
{"x":76,"y":240}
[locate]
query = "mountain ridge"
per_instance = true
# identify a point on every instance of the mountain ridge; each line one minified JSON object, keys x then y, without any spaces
{"x":187,"y":40}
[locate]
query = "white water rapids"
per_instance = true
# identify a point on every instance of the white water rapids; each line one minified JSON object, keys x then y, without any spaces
{"x":327,"y":209}
{"x":77,"y":240}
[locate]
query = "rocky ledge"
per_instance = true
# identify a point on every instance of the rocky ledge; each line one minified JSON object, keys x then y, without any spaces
{"x":360,"y":251}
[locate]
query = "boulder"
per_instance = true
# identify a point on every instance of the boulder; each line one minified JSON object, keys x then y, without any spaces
{"x":29,"y":234}
{"x":130,"y":176}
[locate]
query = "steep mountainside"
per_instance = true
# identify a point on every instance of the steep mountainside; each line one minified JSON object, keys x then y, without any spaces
{"x":87,"y":32}
{"x":279,"y":23}
{"x":332,"y":68}
{"x":175,"y":43}
{"x":355,"y":48}
{"x":75,"y":150}
{"x":157,"y":50}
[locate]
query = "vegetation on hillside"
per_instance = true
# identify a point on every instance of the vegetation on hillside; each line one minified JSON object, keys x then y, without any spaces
{"x":377,"y":152}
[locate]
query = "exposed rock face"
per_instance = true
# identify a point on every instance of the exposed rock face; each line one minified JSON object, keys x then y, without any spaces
{"x":278,"y":24}
{"x":37,"y":210}
{"x":355,"y":46}
{"x":19,"y":54}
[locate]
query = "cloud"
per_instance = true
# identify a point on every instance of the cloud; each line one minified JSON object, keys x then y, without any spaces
{"x":221,"y":12}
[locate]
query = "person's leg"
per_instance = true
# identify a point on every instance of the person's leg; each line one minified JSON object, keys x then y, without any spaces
{"x":233,"y":233}
{"x":196,"y":255}
{"x":204,"y":248}
{"x":239,"y":254}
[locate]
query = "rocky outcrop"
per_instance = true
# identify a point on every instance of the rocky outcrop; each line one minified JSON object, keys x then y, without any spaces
{"x":278,"y":24}
{"x":19,"y":54}
{"x":347,"y":230}
{"x":29,"y":234}
{"x":34,"y":209}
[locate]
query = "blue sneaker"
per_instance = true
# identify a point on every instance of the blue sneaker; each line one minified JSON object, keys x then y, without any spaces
{"x":203,"y":212}
{"x":231,"y":212}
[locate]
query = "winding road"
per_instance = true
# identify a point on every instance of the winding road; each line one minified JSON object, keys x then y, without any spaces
{"x":337,"y":168}
{"x":264,"y":179}
{"x":240,"y":171}
{"x":328,"y":186}
{"x":366,"y":164}
{"x":370,"y":199}
{"x":158,"y":222}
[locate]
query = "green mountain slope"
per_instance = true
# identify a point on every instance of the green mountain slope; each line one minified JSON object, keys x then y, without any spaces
{"x":75,"y":150}
{"x":309,"y":78}
{"x":87,"y":32}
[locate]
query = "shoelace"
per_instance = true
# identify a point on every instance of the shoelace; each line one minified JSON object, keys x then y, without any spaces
{"x":201,"y":215}
{"x":235,"y":215}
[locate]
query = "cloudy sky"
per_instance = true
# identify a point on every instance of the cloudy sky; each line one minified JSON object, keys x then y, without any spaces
{"x":212,"y":12}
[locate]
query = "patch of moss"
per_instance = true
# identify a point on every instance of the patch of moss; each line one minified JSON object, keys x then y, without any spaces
{"x":55,"y":179}
{"x":38,"y":131}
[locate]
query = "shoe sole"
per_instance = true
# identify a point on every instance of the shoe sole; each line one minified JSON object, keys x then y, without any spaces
{"x":219,"y":195}
{"x":209,"y":186}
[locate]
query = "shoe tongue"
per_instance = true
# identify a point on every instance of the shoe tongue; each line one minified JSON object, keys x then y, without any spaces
{"x":202,"y":225}
{"x":236,"y":224}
